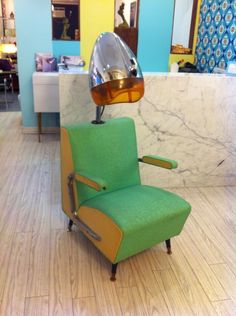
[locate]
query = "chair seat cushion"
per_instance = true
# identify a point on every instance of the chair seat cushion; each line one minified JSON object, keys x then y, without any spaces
{"x":146,"y":215}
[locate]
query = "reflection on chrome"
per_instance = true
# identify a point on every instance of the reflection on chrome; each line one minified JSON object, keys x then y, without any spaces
{"x":114,"y":73}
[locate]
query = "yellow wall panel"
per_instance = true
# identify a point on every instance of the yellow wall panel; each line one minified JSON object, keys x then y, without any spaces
{"x":96,"y":16}
{"x":177,"y":57}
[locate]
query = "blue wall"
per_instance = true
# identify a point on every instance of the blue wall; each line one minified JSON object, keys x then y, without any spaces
{"x":33,"y":25}
{"x":65,"y":48}
{"x":155,"y":30}
{"x":34,"y":34}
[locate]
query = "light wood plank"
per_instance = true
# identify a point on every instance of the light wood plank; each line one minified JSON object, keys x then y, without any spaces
{"x":202,"y":270}
{"x":200,"y":240}
{"x":86,"y":306}
{"x":196,"y":297}
{"x":130,"y":302}
{"x":218,"y":200}
{"x":172,"y":293}
{"x":13,"y":302}
{"x":6,"y":242}
{"x":60,"y":287}
{"x":213,"y":217}
{"x":221,"y":197}
{"x":36,"y":306}
{"x":106,"y":291}
{"x":38,"y":279}
{"x":230,"y":193}
{"x":58,"y":218}
{"x":80,"y":266}
{"x":157,"y":257}
{"x":149,"y":290}
{"x":30,"y":198}
{"x":225,"y":308}
{"x":125,"y":277}
{"x":227,"y":279}
{"x":8,"y":223}
{"x":219,"y":238}
{"x":45,"y":180}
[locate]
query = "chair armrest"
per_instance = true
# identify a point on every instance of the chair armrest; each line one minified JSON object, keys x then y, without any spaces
{"x":159,"y":161}
{"x":97,"y":184}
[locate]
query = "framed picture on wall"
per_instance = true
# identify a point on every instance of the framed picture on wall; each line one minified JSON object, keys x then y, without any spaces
{"x":126,"y":22}
{"x":65,"y":20}
{"x":133,"y":14}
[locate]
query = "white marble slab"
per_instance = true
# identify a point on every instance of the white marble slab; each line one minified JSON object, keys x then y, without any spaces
{"x":187,"y":117}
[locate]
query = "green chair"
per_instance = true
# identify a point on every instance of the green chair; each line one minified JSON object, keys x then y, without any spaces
{"x":102,"y":192}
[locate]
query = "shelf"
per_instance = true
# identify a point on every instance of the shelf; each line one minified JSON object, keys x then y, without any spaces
{"x":2,"y":18}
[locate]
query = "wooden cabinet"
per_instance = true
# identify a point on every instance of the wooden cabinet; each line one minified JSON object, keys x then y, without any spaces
{"x":130,"y":36}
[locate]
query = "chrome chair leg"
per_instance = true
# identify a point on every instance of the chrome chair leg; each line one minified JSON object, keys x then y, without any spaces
{"x":5,"y":93}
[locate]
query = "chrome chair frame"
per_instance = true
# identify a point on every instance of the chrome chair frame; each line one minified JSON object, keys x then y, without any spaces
{"x":7,"y":84}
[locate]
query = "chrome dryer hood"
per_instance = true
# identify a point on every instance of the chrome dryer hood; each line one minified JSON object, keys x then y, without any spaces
{"x":114,"y":73}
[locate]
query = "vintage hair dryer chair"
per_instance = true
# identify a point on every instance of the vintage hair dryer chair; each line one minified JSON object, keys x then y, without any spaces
{"x":101,"y":188}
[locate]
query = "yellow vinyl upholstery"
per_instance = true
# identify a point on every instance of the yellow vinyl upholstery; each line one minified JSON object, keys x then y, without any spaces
{"x":110,"y":233}
{"x":67,"y":168}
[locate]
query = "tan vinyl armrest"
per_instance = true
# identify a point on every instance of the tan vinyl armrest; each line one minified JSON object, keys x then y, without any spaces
{"x":93,"y":182}
{"x":159,"y":161}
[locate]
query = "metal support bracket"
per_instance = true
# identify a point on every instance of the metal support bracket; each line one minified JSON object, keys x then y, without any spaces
{"x":74,"y":218}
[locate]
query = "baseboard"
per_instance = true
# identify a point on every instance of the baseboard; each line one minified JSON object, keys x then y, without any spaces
{"x":45,"y":130}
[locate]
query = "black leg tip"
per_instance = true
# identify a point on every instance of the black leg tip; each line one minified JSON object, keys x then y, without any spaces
{"x":69,"y":227}
{"x":113,"y":272}
{"x":113,"y":278}
{"x":168,"y":246}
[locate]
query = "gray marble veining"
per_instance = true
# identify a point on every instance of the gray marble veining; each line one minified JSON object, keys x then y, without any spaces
{"x":187,"y":117}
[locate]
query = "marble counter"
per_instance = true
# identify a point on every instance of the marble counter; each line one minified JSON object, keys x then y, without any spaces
{"x":187,"y":117}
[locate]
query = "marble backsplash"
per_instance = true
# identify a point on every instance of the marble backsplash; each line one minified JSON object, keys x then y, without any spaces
{"x":187,"y":117}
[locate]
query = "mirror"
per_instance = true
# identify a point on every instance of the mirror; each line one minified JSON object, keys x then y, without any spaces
{"x":183,"y":26}
{"x":126,"y":22}
{"x":66,"y":20}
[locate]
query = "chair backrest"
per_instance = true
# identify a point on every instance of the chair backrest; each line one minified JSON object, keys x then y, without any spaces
{"x":106,"y":151}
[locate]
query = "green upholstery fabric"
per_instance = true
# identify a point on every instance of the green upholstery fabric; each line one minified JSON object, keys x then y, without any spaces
{"x":146,"y":215}
{"x":107,"y":151}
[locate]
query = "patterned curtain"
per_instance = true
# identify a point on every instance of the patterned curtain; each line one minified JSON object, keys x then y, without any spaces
{"x":216,"y":43}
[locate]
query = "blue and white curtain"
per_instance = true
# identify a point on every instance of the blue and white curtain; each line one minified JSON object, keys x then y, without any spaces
{"x":216,"y":44}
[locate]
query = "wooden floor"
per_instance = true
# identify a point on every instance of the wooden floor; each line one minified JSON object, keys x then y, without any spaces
{"x":44,"y":270}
